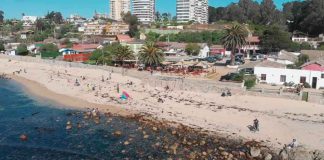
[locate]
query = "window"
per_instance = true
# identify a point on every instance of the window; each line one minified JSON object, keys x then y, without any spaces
{"x":263,"y":77}
{"x":283,"y":78}
{"x":322,"y":76}
{"x":302,"y":79}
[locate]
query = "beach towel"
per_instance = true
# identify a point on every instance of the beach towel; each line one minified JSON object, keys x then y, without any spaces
{"x":126,"y":94}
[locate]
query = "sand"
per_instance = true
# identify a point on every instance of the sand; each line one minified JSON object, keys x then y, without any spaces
{"x":281,"y":120}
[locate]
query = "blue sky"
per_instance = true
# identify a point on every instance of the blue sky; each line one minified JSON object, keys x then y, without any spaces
{"x":86,"y":8}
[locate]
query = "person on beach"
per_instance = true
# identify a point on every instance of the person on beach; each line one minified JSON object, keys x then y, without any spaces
{"x":151,"y":72}
{"x":117,"y":87}
{"x":256,"y":124}
{"x":293,"y":144}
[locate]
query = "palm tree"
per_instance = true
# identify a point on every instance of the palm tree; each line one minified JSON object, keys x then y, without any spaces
{"x":122,"y":53}
{"x":151,"y":55}
{"x":234,"y":38}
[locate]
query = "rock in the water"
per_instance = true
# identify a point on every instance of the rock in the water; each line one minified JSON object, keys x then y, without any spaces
{"x":224,"y":153}
{"x":126,"y":143}
{"x":255,"y":152}
{"x":154,"y":129}
{"x":68,"y":127}
{"x":146,"y":136}
{"x":23,"y":137}
{"x":117,"y":133}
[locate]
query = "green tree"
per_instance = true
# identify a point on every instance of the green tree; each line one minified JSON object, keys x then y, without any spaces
{"x":55,"y":17}
{"x":22,"y":50}
{"x":234,"y":38}
{"x":2,"y":48}
{"x":275,"y":39}
{"x":192,"y":49}
{"x":151,"y":55}
{"x":152,"y":36}
{"x":302,"y":59}
{"x":1,"y":16}
{"x":50,"y":47}
{"x":133,"y":23}
{"x":122,"y":53}
{"x":101,"y":56}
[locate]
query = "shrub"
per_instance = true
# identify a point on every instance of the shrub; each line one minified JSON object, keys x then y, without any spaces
{"x":250,"y":81}
{"x":239,"y":77}
{"x":249,"y":84}
{"x":307,"y":85}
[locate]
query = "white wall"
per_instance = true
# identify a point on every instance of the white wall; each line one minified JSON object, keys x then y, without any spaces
{"x":292,"y":75}
{"x":281,"y":61}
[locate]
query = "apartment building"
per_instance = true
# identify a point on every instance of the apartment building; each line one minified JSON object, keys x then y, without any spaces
{"x":192,"y":10}
{"x":116,"y":28}
{"x":118,"y":7}
{"x":144,"y":10}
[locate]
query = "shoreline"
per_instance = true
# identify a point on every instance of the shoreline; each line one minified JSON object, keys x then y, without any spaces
{"x":281,"y":120}
{"x":37,"y":90}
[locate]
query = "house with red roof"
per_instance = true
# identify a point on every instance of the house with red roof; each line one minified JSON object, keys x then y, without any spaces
{"x":122,"y":38}
{"x":79,"y":52}
{"x":314,"y":66}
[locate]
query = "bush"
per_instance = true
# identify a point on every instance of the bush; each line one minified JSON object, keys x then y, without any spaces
{"x":239,"y":77}
{"x":50,"y":54}
{"x":249,"y":84}
{"x":22,"y":50}
{"x":250,"y":81}
{"x":307,"y":85}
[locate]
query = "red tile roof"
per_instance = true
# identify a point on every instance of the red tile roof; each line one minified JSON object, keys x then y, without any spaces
{"x":124,"y":38}
{"x":85,"y":47}
{"x":253,"y":39}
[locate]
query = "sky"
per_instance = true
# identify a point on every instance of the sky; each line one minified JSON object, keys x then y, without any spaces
{"x":86,"y":8}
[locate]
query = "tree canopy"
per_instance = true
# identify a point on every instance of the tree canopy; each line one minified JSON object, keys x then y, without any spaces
{"x":234,"y":38}
{"x":192,"y":49}
{"x":275,"y":39}
{"x":55,"y":17}
{"x":1,"y":16}
{"x":22,"y":50}
{"x":247,"y":11}
{"x":133,"y":22}
{"x":305,"y":16}
{"x":151,"y":55}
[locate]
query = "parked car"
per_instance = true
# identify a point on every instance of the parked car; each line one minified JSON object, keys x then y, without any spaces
{"x":210,"y":59}
{"x":229,"y":77}
{"x":237,"y":62}
{"x":254,"y":58}
{"x":248,"y":71}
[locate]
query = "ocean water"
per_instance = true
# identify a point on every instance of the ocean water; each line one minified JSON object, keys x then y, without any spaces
{"x":44,"y":124}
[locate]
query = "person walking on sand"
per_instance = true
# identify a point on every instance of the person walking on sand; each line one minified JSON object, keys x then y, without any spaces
{"x":256,"y":124}
{"x":117,"y":87}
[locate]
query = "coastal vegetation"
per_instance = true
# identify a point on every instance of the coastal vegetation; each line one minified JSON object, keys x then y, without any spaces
{"x":235,"y":37}
{"x":112,"y":53}
{"x":150,"y":55}
{"x":192,"y":49}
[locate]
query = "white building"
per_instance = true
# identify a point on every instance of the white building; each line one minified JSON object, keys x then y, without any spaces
{"x":281,"y":75}
{"x":119,"y":7}
{"x":144,"y":10}
{"x":204,"y":51}
{"x":192,"y":10}
{"x":28,"y":21}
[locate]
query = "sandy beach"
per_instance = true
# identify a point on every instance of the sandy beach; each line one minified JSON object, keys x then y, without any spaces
{"x":281,"y":120}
